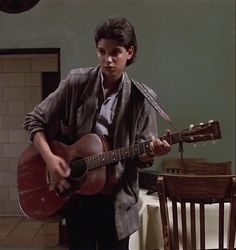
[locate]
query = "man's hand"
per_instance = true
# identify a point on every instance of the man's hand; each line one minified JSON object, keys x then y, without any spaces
{"x":158,"y":148}
{"x":59,"y":170}
{"x":57,"y":167}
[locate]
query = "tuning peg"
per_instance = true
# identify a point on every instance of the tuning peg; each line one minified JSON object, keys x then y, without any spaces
{"x":210,"y":121}
{"x":191,"y":126}
{"x":201,"y":123}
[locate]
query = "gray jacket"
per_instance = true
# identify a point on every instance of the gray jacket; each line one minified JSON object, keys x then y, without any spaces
{"x":73,"y":109}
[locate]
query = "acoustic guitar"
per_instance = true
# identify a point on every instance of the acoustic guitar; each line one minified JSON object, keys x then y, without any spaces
{"x":92,"y":168}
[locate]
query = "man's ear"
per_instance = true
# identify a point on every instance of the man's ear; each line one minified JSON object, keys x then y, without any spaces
{"x":130,"y":52}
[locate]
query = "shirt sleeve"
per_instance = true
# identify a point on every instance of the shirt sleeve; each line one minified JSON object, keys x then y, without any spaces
{"x":147,"y":127}
{"x":48,"y":112}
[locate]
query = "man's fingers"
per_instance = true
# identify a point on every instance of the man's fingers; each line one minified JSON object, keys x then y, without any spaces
{"x":64,"y":169}
{"x":63,"y":185}
{"x":159,"y":147}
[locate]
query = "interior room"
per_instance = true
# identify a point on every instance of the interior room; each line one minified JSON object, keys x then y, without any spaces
{"x":186,"y":54}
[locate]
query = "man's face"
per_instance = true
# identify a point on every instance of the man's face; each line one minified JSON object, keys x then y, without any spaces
{"x":112,"y":57}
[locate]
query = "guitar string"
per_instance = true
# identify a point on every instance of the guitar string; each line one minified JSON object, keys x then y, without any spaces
{"x":82,"y":162}
{"x":97,"y":158}
{"x":125,"y":149}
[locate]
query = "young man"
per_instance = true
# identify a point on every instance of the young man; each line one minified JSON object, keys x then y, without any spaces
{"x":101,"y":100}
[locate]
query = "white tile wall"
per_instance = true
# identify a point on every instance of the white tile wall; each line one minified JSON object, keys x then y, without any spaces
{"x":45,"y":64}
{"x":1,"y":151}
{"x":1,"y":65}
{"x":3,"y":79}
{"x":4,"y":164}
{"x":16,"y":79}
{"x":4,"y":193}
{"x":14,"y":64}
{"x":3,"y":108}
{"x":32,"y":79}
{"x":4,"y":136}
{"x":20,"y":91}
{"x":16,"y":107}
{"x":17,"y":136}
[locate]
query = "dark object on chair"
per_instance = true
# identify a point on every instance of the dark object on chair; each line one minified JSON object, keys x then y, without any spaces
{"x":206,"y":168}
{"x":147,"y":180}
{"x":195,"y":189}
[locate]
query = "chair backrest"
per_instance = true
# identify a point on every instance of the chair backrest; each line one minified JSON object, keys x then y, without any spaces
{"x":206,"y":168}
{"x":173,"y":165}
{"x":181,"y":193}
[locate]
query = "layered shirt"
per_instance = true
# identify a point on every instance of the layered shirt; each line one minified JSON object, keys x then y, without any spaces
{"x":105,"y":121}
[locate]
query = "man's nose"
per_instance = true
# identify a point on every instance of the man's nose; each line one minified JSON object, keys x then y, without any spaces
{"x":108,"y":58}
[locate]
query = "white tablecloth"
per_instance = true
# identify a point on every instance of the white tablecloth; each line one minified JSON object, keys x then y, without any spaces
{"x":149,"y":236}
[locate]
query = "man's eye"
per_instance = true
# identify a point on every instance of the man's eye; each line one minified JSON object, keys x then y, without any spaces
{"x":102,"y":52}
{"x":115,"y":53}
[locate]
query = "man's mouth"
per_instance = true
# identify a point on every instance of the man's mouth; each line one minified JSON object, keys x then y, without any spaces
{"x":108,"y":67}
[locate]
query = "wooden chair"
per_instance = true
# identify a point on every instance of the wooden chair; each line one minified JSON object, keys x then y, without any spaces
{"x":206,"y":168}
{"x":187,"y":191}
{"x":173,"y":165}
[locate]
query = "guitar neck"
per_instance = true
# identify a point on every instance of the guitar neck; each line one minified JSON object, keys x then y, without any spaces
{"x":124,"y":153}
{"x":202,"y":132}
{"x":116,"y":155}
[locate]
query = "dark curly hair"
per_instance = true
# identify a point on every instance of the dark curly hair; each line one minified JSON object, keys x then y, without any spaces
{"x":120,"y":30}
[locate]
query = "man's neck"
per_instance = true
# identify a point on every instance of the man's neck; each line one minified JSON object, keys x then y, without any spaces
{"x":110,"y":85}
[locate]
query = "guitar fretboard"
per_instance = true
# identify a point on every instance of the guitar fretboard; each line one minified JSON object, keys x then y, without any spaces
{"x":202,"y":132}
{"x":116,"y":155}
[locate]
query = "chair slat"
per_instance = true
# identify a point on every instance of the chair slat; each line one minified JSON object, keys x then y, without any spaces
{"x":202,"y":226}
{"x":232,"y":217}
{"x":175,"y":225}
{"x":193,"y":226}
{"x":221,"y":225}
{"x":184,"y":225}
{"x":168,"y":245}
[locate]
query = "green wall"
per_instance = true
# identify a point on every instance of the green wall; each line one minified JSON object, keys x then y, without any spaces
{"x":186,"y":53}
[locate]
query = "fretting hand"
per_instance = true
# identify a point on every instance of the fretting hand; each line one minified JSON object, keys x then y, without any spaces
{"x":158,"y":148}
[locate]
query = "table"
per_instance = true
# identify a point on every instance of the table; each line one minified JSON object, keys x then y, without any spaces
{"x":149,"y":236}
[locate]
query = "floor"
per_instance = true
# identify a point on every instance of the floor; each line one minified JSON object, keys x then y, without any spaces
{"x":20,"y":233}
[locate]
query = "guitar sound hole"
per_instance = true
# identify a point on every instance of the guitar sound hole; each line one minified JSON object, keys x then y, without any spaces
{"x":78,"y":168}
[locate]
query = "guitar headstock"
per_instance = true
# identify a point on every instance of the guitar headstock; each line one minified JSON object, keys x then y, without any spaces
{"x":202,"y":132}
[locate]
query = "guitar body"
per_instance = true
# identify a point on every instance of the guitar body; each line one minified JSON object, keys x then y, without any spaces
{"x":37,"y":197}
